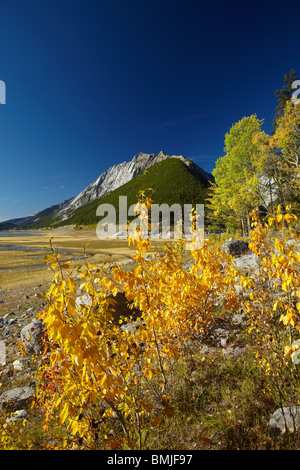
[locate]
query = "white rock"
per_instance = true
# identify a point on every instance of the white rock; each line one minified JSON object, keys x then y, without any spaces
{"x":207,"y":349}
{"x":18,"y":365}
{"x":295,"y":356}
{"x":239,"y":318}
{"x":221,"y":336}
{"x":287,"y":418}
{"x":128,"y":328}
{"x":2,"y":353}
{"x":84,"y":299}
{"x":232,"y":351}
{"x":20,"y":396}
{"x":19,"y":414}
{"x":249,"y":261}
{"x":32,"y":336}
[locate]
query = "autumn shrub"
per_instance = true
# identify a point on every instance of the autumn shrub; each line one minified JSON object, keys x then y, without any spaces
{"x":9,"y":434}
{"x":108,"y":383}
{"x":271,"y":301}
{"x":125,"y":383}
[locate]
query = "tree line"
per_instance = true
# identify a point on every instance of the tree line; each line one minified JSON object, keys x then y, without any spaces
{"x":258,"y":170}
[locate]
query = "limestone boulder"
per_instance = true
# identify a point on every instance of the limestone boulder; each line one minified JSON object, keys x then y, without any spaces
{"x":285,"y":419}
{"x":32,"y":336}
{"x":17,"y":398}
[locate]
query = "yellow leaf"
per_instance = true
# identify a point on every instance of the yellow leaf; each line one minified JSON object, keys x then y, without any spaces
{"x":65,"y":265}
{"x":64,"y":412}
{"x":287,"y":350}
{"x":114,"y":291}
{"x":284,"y":286}
{"x":102,"y":380}
{"x":148,"y":374}
{"x":271,"y":220}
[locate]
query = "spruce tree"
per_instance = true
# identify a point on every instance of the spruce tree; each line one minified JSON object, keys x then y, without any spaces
{"x":284,"y":94}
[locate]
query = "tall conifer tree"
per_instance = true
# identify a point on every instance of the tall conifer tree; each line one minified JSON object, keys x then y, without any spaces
{"x":284,"y":94}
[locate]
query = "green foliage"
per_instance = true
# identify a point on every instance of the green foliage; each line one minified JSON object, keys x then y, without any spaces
{"x":236,"y":191}
{"x":258,"y":169}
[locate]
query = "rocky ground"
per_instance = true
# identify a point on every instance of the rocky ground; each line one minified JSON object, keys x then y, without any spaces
{"x":18,"y":340}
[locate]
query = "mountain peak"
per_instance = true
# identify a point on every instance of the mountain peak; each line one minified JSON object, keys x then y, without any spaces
{"x":148,"y":156}
{"x":142,"y":156}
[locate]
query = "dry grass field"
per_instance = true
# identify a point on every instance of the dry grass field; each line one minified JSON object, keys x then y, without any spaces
{"x":24,"y":265}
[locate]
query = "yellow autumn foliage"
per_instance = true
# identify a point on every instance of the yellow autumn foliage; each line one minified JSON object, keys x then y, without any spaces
{"x":107,"y":382}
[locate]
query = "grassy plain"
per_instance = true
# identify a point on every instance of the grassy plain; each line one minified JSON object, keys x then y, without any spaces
{"x":26,"y":266}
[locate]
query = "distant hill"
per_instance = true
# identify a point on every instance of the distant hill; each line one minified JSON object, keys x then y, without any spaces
{"x":174,"y":179}
{"x":7,"y":226}
{"x":39,"y":220}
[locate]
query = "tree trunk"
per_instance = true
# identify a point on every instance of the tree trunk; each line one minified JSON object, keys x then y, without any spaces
{"x":248,"y":224}
{"x":243,"y":226}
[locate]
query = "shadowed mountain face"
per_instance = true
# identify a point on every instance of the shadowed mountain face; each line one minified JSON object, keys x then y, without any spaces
{"x":117,"y":176}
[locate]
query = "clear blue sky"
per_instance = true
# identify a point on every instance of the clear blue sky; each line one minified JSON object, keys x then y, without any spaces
{"x":91,"y":83}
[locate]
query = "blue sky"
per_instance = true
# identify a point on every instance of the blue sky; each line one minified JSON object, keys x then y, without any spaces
{"x":91,"y":83}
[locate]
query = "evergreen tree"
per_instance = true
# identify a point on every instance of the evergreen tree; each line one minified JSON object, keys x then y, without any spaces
{"x":284,"y":94}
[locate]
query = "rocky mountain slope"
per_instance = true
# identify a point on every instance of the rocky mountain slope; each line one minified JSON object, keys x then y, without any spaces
{"x":115,"y":177}
{"x":171,"y":182}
